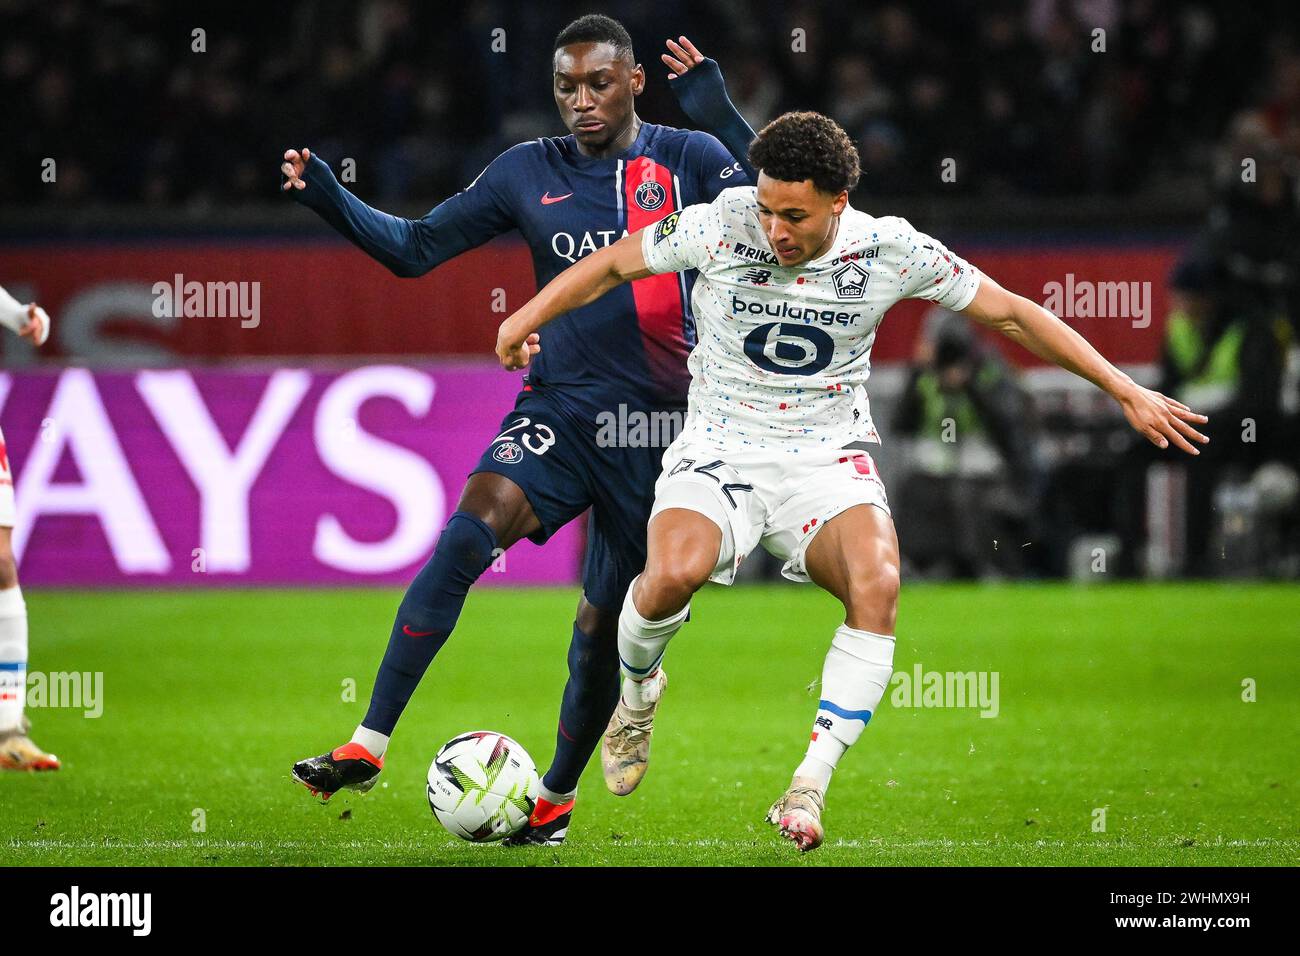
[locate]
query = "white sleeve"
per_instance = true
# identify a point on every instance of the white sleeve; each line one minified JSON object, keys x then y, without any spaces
{"x":929,"y":271}
{"x":13,"y":314}
{"x":681,"y":240}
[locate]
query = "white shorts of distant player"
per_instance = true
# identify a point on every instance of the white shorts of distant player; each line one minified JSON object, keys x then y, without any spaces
{"x":777,"y":499}
{"x":6,"y":487}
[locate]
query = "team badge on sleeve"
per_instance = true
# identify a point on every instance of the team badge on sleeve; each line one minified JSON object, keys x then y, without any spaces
{"x":666,"y":226}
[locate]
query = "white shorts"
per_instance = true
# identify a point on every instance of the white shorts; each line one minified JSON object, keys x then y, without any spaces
{"x":6,"y":487}
{"x":780,"y":500}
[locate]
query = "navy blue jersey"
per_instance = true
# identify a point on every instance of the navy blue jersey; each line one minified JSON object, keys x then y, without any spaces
{"x":630,"y":346}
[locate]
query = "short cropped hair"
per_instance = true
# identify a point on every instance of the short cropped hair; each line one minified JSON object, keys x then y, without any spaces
{"x":805,"y":145}
{"x":597,"y":28}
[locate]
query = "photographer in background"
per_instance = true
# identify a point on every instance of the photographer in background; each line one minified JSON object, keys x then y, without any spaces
{"x":974,"y":481}
{"x":1225,"y":341}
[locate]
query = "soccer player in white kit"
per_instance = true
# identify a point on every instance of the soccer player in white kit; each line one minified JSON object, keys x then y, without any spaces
{"x":17,"y":752}
{"x":793,"y":283}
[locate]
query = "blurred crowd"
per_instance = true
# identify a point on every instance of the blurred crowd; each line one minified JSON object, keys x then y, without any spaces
{"x":1027,"y":97}
{"x":991,"y":471}
{"x":1065,"y":98}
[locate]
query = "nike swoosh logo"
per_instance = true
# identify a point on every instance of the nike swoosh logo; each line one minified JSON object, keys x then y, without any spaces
{"x":406,"y":629}
{"x":547,"y":198}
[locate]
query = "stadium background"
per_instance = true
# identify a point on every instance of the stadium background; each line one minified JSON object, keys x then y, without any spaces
{"x":372,"y":395}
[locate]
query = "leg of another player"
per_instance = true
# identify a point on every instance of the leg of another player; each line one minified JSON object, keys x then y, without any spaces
{"x":13,"y":639}
{"x":17,"y":752}
{"x":493,"y":513}
{"x":590,"y":695}
{"x":855,"y":558}
{"x":682,"y":550}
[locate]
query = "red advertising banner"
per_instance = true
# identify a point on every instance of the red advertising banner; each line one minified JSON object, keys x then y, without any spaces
{"x":127,"y":302}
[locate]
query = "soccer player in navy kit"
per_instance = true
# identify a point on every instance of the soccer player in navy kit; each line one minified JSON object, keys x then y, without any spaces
{"x":567,"y":196}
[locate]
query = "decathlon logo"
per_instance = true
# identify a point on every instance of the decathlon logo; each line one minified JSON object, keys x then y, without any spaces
{"x":650,"y":196}
{"x":508,"y":453}
{"x":850,"y":281}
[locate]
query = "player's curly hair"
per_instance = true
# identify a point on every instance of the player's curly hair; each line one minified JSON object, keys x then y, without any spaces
{"x":597,"y":28}
{"x":805,"y":145}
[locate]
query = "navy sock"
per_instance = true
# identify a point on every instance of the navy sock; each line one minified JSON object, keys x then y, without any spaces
{"x":590,"y":696}
{"x":427,"y":615}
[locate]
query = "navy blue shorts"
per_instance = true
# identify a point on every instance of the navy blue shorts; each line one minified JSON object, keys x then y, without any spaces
{"x":563,"y":471}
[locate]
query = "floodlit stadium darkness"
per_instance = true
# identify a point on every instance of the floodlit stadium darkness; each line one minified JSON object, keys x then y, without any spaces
{"x":912,"y":473}
{"x":411,"y":92}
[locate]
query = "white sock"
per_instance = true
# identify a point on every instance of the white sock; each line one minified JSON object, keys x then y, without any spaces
{"x":855,"y":674}
{"x":13,"y":657}
{"x":372,"y":740}
{"x":816,"y":770}
{"x":641,"y":646}
{"x":553,"y":798}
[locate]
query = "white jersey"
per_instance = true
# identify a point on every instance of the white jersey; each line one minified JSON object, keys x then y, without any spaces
{"x":784,"y":352}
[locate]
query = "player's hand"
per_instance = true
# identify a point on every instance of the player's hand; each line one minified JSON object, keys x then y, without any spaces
{"x":682,"y":57}
{"x":1161,"y":419}
{"x":37,"y":327}
{"x":515,"y":353}
{"x":293,"y":166}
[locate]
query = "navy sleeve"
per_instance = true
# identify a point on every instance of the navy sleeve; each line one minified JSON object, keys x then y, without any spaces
{"x":411,"y":247}
{"x":714,"y":167}
{"x":702,"y":94}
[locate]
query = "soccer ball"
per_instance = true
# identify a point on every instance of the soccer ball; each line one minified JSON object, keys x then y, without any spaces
{"x":482,"y":786}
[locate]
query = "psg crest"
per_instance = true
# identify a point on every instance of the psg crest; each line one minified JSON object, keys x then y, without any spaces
{"x":508,"y":453}
{"x":650,"y":196}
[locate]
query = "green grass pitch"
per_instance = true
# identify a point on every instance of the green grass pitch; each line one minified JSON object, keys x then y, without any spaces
{"x":1127,"y":698}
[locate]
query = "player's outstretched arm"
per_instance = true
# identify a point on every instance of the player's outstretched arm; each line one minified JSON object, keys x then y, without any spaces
{"x":581,"y":284}
{"x":1157,"y":417}
{"x":406,"y":247}
{"x":28,"y":321}
{"x":696,"y":81}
